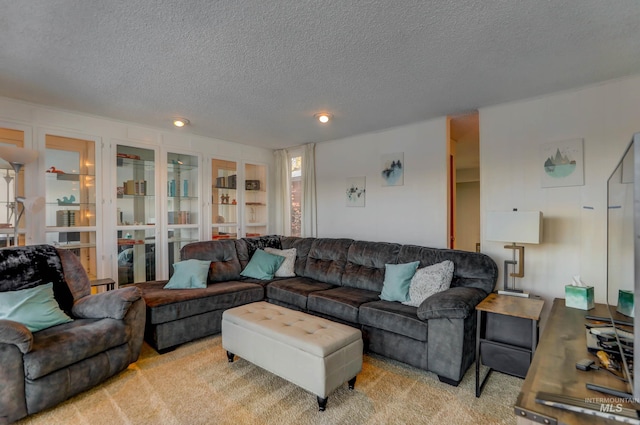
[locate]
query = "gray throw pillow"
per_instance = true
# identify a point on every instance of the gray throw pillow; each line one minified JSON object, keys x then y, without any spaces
{"x":428,"y":281}
{"x":288,"y":265}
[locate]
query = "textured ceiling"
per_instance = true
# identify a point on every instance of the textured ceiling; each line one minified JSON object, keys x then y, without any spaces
{"x":256,"y":71}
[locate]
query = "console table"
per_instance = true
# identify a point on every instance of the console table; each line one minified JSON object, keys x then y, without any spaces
{"x":553,"y":370}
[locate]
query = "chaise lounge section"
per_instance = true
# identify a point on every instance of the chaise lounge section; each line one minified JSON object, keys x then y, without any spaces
{"x":338,"y":279}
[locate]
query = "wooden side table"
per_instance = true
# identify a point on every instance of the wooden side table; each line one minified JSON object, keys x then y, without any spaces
{"x":108,"y":282}
{"x":508,"y":336}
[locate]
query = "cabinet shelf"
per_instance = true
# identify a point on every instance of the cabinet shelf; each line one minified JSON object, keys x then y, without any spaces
{"x":63,"y":229}
{"x":179,"y":168}
{"x":134,"y":163}
{"x":74,"y":245}
{"x":73,"y":177}
{"x":255,"y":204}
{"x":182,"y":198}
{"x":135,"y":196}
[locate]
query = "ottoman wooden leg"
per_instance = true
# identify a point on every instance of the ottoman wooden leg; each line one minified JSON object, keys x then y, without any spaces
{"x":322,"y":403}
{"x":352,"y":382}
{"x":230,"y":356}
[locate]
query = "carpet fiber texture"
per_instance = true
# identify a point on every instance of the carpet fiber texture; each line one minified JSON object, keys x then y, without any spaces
{"x":195,"y":384}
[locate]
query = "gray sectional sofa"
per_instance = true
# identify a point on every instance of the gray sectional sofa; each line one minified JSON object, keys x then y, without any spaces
{"x":339,"y":279}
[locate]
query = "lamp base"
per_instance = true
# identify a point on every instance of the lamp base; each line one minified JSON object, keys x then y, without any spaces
{"x":514,"y":293}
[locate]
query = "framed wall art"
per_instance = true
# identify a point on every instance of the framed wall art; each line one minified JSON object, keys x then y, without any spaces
{"x":392,"y":169}
{"x":356,"y":191}
{"x":562,"y":163}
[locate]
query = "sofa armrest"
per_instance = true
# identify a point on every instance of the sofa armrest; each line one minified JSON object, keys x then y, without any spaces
{"x":454,"y":303}
{"x":17,"y":334}
{"x":110,"y":304}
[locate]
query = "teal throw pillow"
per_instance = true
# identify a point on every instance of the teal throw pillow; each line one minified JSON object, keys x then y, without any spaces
{"x":397,"y":279}
{"x":189,"y":274}
{"x":36,"y":308}
{"x":262,"y":265}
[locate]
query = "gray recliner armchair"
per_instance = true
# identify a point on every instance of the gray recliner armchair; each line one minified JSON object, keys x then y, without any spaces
{"x":43,"y":368}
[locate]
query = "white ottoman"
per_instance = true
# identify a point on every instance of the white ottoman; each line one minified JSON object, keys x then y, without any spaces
{"x":314,"y":353}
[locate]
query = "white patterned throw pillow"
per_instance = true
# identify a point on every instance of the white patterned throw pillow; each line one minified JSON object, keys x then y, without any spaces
{"x":287,"y":268}
{"x":428,"y":281}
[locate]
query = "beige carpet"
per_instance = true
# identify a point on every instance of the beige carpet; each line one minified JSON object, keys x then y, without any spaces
{"x":196,"y":385}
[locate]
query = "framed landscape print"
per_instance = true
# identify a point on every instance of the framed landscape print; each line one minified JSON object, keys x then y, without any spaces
{"x":562,"y":163}
{"x":392,"y":169}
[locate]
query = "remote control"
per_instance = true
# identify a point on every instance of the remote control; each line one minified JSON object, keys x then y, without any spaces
{"x":584,"y":364}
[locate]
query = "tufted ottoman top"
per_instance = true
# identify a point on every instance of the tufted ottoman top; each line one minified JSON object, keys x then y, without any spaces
{"x":308,"y":333}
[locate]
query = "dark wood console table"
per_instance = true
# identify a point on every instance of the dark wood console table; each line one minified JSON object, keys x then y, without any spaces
{"x":553,"y":370}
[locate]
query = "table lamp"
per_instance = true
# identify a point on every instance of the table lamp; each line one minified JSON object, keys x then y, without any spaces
{"x":524,"y":227}
{"x":17,"y":157}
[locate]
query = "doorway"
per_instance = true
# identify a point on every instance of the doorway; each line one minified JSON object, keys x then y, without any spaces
{"x":464,"y":182}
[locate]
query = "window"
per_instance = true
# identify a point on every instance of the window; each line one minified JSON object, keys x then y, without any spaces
{"x":296,"y":195}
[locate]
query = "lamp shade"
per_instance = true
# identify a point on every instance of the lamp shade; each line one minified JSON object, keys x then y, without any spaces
{"x":16,"y":155}
{"x":514,"y":226}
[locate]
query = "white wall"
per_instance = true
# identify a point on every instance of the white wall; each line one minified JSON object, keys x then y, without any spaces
{"x":413,"y":213}
{"x":575,"y":218}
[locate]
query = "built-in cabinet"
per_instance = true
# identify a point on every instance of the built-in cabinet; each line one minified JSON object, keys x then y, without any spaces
{"x":183,"y":204}
{"x":224,"y":199}
{"x":126,"y":209}
{"x":10,"y":137}
{"x":239,"y":199}
{"x":255,"y":200}
{"x":136,"y":213}
{"x":71,"y":215}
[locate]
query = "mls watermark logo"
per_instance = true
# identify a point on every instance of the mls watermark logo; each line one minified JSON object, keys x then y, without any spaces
{"x":611,"y":408}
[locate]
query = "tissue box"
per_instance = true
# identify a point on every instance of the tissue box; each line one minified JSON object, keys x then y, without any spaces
{"x":625,"y":302}
{"x":579,"y":297}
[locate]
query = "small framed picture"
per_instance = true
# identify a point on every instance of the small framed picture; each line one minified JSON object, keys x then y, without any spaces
{"x":252,"y":184}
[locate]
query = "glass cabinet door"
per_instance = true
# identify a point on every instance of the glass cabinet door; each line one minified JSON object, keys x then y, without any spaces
{"x":255,"y":200}
{"x":10,"y":137}
{"x":70,"y":181}
{"x":182,"y":204}
{"x":136,"y":214}
{"x":224,"y":199}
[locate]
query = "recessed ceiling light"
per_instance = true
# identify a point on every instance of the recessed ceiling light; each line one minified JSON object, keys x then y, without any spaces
{"x":323,"y":117}
{"x":180,"y":122}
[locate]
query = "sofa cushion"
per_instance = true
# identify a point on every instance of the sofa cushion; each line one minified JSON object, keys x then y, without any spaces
{"x":342,"y":302}
{"x":263,"y":265}
{"x":302,"y":246}
{"x":428,"y":281}
{"x":225,"y":264}
{"x":472,"y":269}
{"x":165,"y":305}
{"x":246,"y":247}
{"x":295,"y":291}
{"x":190,"y":273}
{"x":287,"y":268}
{"x":393,"y":317}
{"x":29,"y":266}
{"x":397,"y":278}
{"x":36,"y":308}
{"x":64,"y":345}
{"x":365,"y":268}
{"x":327,"y":260}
